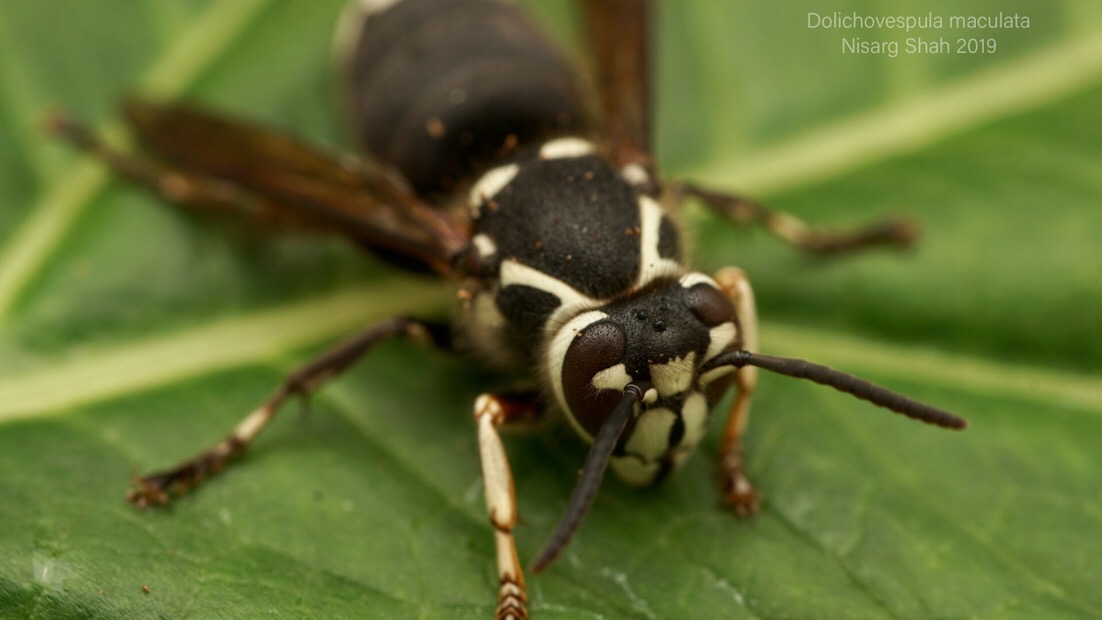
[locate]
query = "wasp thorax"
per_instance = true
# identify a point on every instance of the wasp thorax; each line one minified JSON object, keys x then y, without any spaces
{"x":662,"y":336}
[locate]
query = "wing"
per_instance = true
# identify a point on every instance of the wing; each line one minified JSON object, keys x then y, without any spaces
{"x":617,"y":33}
{"x":205,"y":161}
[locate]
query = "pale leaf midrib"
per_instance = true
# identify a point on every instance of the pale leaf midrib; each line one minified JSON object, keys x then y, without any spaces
{"x":261,"y":337}
{"x":200,"y":46}
{"x":252,"y":338}
{"x":197,"y":48}
{"x":906,"y":126}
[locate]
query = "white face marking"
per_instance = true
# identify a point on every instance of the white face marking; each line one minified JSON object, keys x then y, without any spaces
{"x":612,"y":378}
{"x":721,"y":336}
{"x":634,"y":471}
{"x":650,"y":438}
{"x":556,"y":354}
{"x":651,"y":264}
{"x":566,"y":147}
{"x":489,"y":185}
{"x":694,"y":412}
{"x":635,"y":174}
{"x":649,"y":446}
{"x":674,"y":376}
{"x":484,"y":244}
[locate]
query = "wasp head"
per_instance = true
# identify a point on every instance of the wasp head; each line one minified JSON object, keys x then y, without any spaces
{"x":662,"y":335}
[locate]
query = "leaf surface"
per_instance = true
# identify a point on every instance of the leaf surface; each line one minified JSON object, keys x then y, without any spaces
{"x":132,"y":335}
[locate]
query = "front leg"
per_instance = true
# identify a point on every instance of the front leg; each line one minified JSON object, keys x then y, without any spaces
{"x":737,"y":490}
{"x":491,"y":411}
{"x":159,"y":487}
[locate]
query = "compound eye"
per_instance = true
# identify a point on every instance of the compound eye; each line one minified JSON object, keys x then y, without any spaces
{"x":709,"y":304}
{"x":593,"y":374}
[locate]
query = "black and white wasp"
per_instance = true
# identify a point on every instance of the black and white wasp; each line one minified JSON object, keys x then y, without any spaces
{"x":487,"y":166}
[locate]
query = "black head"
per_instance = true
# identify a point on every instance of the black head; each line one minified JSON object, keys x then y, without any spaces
{"x":662,"y":335}
{"x":631,"y":377}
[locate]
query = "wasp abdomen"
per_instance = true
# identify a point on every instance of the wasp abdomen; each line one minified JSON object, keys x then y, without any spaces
{"x":441,"y":87}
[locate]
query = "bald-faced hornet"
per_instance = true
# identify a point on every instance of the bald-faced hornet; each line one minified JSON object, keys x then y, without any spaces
{"x":486,"y":166}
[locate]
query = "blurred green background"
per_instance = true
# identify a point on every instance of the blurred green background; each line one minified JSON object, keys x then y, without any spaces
{"x":131,"y":335}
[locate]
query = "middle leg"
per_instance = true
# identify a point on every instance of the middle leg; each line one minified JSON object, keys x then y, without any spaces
{"x":899,"y":233}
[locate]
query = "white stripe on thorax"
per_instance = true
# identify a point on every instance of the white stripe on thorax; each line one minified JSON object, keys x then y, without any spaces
{"x":651,"y":264}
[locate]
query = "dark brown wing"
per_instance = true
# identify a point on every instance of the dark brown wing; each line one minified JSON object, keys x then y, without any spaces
{"x":618,"y":33}
{"x":294,"y":183}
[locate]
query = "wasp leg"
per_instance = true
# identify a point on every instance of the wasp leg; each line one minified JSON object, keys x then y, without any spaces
{"x":736,"y":487}
{"x":159,"y":487}
{"x":900,"y":233}
{"x":491,"y":411}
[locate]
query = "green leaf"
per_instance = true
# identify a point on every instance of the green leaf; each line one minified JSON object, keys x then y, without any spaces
{"x":132,"y":335}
